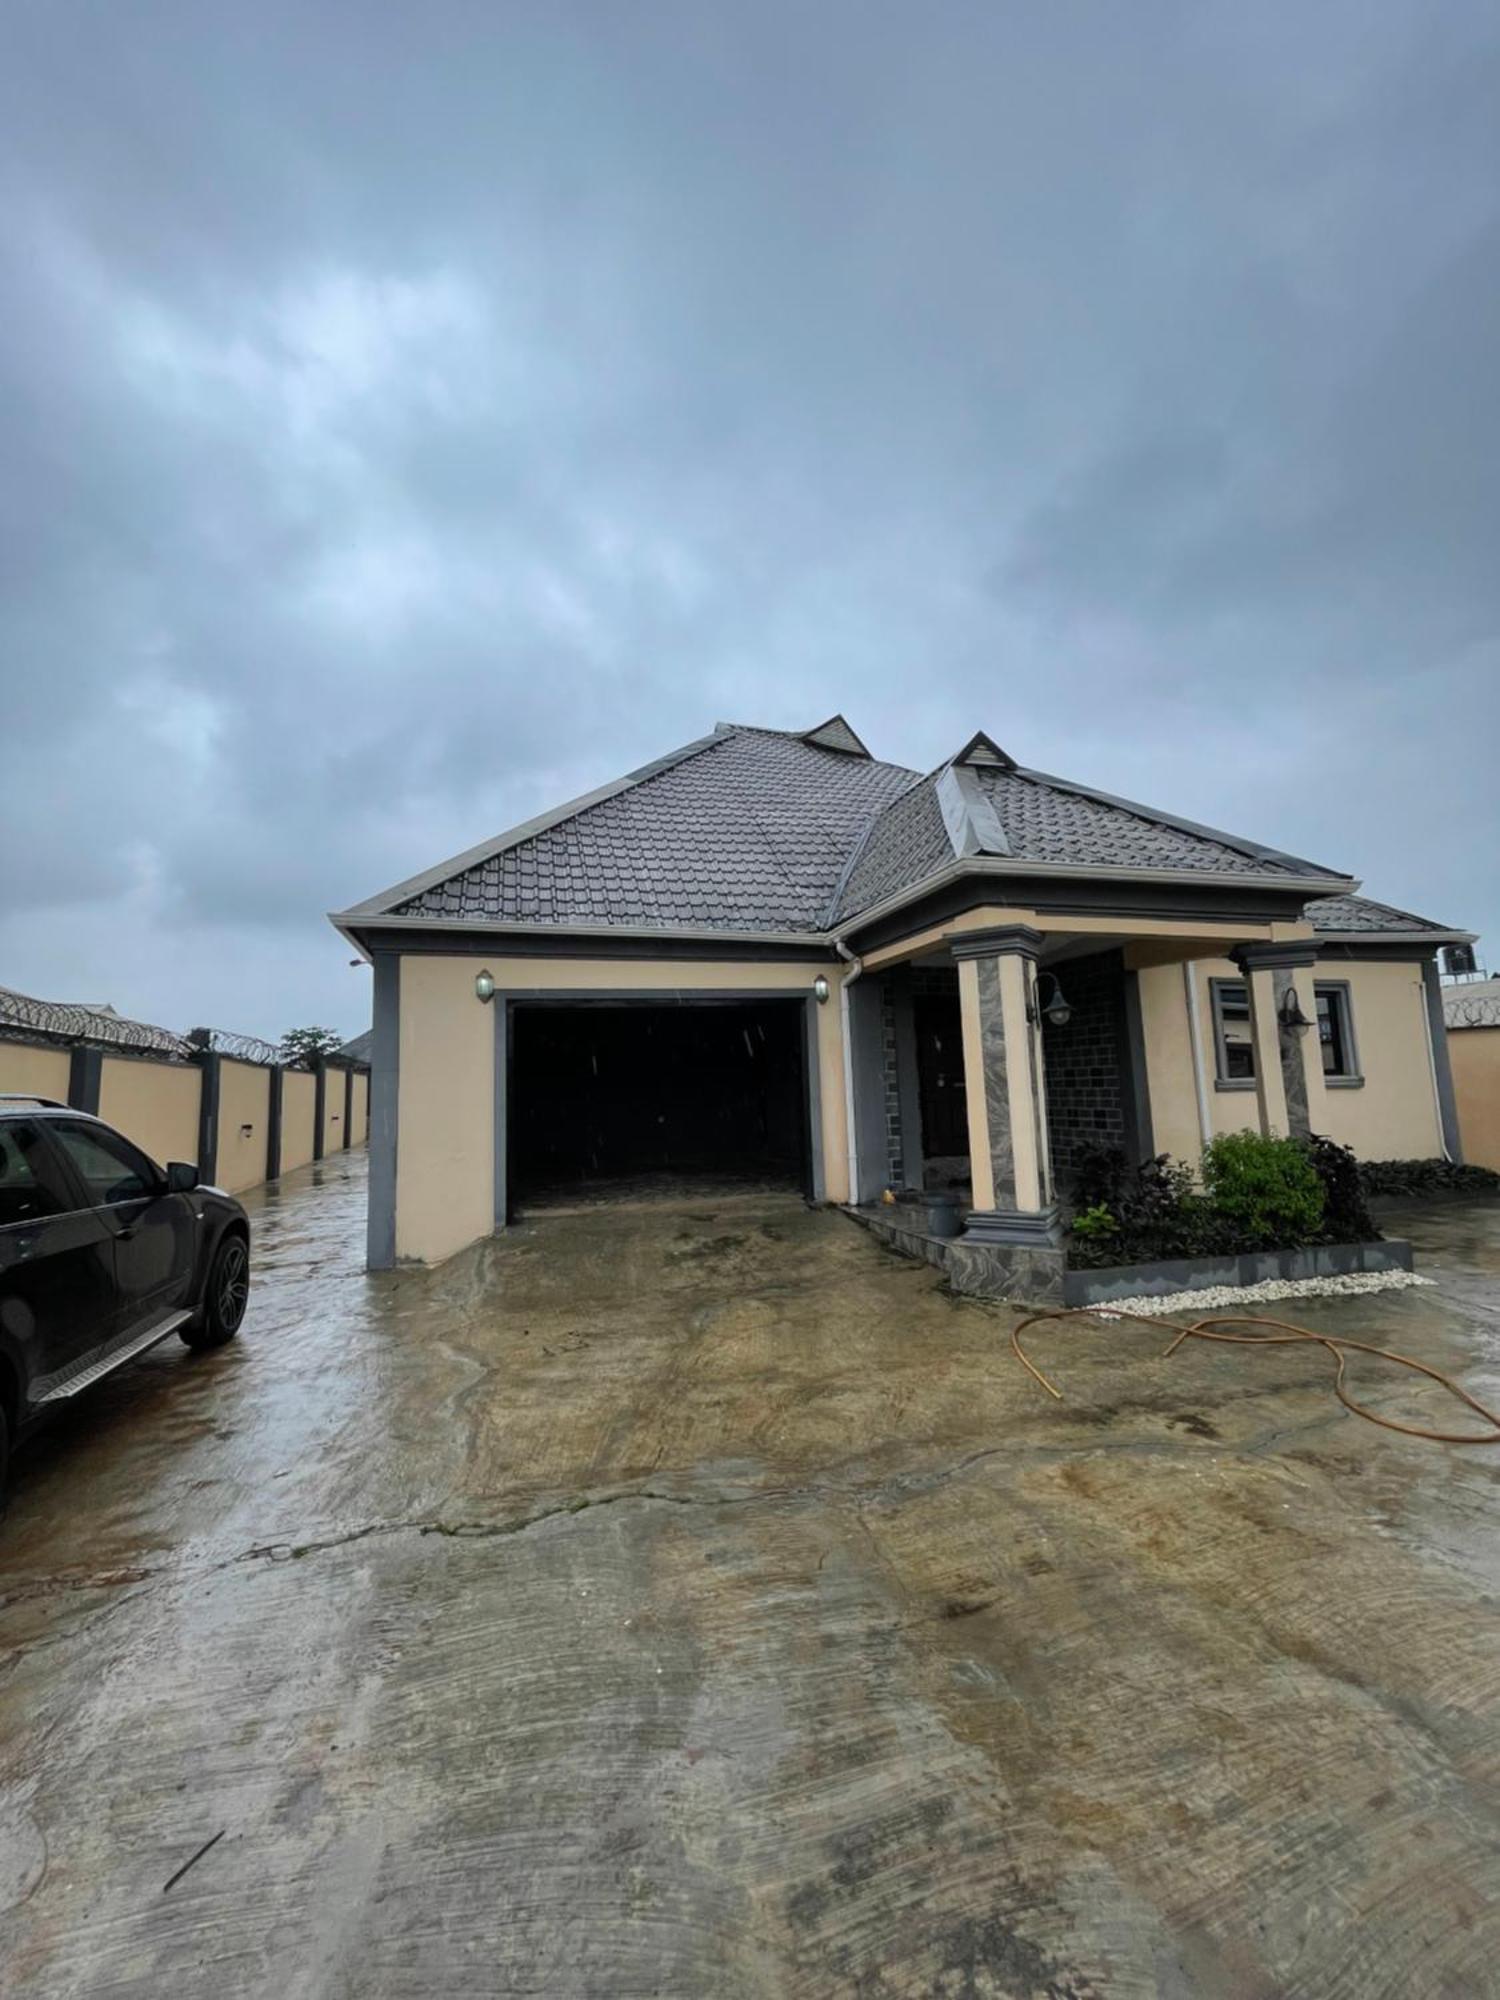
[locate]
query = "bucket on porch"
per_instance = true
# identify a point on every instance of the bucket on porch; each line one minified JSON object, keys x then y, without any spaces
{"x":942,"y":1216}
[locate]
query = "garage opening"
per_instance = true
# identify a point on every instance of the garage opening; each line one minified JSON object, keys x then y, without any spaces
{"x":618,"y":1098}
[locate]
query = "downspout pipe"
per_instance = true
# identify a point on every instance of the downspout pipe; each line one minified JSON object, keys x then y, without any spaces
{"x":856,"y":967}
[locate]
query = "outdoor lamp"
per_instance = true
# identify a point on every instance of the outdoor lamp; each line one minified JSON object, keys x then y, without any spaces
{"x":484,"y":986}
{"x":1291,"y":1014}
{"x":820,"y":989}
{"x":1057,"y":1010}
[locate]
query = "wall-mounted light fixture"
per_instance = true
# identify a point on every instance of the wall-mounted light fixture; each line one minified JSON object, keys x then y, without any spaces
{"x":1057,"y":1010}
{"x":1290,"y":1013}
{"x":821,"y":990}
{"x":484,"y":987}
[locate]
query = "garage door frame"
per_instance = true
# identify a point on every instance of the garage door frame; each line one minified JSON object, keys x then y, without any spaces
{"x":506,"y":1002}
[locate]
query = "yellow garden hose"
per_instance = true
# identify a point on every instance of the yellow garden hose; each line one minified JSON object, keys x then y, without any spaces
{"x":1286,"y":1336}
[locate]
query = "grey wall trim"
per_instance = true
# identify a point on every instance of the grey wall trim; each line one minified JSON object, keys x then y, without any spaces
{"x":1354,"y":1075}
{"x":1000,"y":940}
{"x":666,"y":996}
{"x":500,"y":1137}
{"x":812,"y":1073}
{"x":208,"y":1113}
{"x":385,"y":1082}
{"x":1013,"y":1225}
{"x":273,"y":1124}
{"x":1447,"y":1101}
{"x":1136,"y":1091}
{"x":1285,"y":957}
{"x":480,"y":941}
{"x":85,"y":1072}
{"x":320,"y":1103}
{"x":1220,"y":899}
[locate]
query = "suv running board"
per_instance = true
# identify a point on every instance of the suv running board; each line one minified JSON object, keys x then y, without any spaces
{"x":68,"y":1381}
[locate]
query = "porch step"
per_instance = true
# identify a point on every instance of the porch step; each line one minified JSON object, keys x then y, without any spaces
{"x":103,"y":1361}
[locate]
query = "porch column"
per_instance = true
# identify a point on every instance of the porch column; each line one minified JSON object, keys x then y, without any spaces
{"x":1289,"y":1084}
{"x":1003,"y":1081}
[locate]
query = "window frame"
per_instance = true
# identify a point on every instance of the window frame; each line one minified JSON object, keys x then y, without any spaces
{"x":154,"y":1185}
{"x":64,"y":1184}
{"x":1341,"y":993}
{"x":1222,"y":1079}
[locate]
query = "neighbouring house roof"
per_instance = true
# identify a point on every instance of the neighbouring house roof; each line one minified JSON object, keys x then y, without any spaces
{"x":360,"y":1049}
{"x":767,"y":832}
{"x":1359,"y":916}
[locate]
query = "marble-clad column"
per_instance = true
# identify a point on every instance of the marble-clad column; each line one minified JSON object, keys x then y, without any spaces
{"x":1008,"y":1153}
{"x":1288,"y":1061}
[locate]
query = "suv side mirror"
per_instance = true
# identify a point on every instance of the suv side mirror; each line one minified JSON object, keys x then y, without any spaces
{"x":181,"y":1178}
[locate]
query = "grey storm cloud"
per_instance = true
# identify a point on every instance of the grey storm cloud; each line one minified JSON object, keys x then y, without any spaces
{"x":413,"y":416}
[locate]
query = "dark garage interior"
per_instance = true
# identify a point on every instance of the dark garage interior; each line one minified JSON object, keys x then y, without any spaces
{"x":606,"y":1095}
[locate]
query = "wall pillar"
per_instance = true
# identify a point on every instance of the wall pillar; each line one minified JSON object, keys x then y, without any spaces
{"x":208,"y":1114}
{"x":1014,"y":1222}
{"x":1289,"y":1085}
{"x":320,"y":1102}
{"x":85,"y":1074}
{"x":273,"y":1123}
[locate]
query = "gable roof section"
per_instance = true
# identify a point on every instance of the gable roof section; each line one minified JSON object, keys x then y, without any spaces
{"x":746,"y":830}
{"x":835,"y":734}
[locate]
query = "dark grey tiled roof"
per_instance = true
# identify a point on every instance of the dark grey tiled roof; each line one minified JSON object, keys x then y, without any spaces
{"x":749,"y":833}
{"x":1044,"y":822}
{"x":361,"y":1049}
{"x":1358,"y":914}
{"x":907,"y":843}
{"x":760,"y":830}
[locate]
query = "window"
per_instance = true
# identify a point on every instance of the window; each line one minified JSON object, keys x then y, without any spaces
{"x":1234,"y":1040}
{"x":31,"y":1185}
{"x":1336,"y":1032}
{"x":110,"y":1167}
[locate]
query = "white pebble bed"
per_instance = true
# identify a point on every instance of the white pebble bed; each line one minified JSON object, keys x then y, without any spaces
{"x":1354,"y":1285}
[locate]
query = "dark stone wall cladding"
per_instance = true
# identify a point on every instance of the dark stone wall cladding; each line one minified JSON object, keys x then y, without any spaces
{"x":1085,"y":1062}
{"x":895,"y":1165}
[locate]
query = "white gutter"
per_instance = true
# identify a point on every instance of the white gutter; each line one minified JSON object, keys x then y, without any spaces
{"x":1195,"y":1037}
{"x":857,"y":966}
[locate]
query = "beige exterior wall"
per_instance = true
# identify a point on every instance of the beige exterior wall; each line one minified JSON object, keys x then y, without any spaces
{"x":333,"y":1112}
{"x":1393,"y":1115}
{"x":445,"y":1122}
{"x":298,"y":1104}
{"x":361,"y":1117}
{"x":34,"y":1072}
{"x":244,"y":1101}
{"x":1475,"y":1056}
{"x":153,"y":1103}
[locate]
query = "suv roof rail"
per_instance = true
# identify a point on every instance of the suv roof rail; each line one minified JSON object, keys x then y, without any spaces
{"x":30,"y":1097}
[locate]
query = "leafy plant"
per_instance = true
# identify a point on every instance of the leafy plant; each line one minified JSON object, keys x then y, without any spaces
{"x":1268,"y":1189}
{"x":1346,"y":1217}
{"x":1091,"y":1223}
{"x":301,"y":1048}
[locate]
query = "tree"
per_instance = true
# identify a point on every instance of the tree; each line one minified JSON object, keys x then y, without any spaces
{"x":302,"y":1047}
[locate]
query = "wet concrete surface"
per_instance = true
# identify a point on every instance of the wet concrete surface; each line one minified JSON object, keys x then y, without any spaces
{"x":696,"y":1600}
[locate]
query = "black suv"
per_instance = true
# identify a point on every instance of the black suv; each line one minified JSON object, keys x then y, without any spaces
{"x":102,"y":1254}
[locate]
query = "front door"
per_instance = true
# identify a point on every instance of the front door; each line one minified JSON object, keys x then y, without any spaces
{"x":940,"y":1075}
{"x":153,"y":1231}
{"x":56,"y":1259}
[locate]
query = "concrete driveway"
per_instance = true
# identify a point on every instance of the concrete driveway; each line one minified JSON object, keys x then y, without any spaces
{"x":694,"y":1600}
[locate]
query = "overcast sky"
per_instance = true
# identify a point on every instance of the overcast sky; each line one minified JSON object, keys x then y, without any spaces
{"x":411,"y":416}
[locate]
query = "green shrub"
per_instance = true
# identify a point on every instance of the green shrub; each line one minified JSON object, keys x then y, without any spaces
{"x":1268,"y":1189}
{"x":1346,"y":1218}
{"x":1095,"y":1222}
{"x":1413,"y":1177}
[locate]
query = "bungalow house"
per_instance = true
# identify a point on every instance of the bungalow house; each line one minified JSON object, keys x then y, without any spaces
{"x":769,"y":953}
